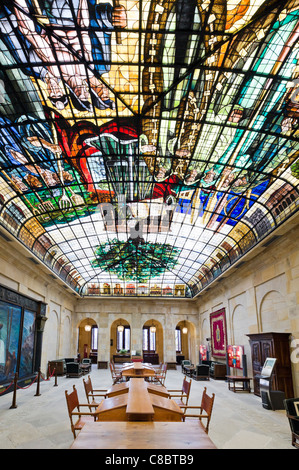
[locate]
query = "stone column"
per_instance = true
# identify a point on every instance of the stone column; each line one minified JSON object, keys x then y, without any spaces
{"x":136,"y":332}
{"x":169,"y":339}
{"x":103,"y":338}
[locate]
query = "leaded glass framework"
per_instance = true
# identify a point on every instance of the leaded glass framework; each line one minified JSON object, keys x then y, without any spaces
{"x":146,"y":146}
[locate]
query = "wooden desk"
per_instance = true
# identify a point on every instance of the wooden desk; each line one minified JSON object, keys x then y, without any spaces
{"x":232,"y":379}
{"x":143,"y":435}
{"x":121,"y":358}
{"x":113,"y":409}
{"x":158,"y":390}
{"x":137,"y":370}
{"x":138,"y":401}
{"x":139,"y":406}
{"x":119,"y":389}
{"x":165,"y":409}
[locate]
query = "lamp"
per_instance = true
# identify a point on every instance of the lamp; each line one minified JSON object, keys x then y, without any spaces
{"x":185,"y":329}
{"x":87,"y":327}
{"x":153,"y":329}
{"x":120,"y":328}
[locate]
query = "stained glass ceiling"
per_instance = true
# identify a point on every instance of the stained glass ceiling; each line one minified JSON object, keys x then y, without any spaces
{"x":146,"y":146}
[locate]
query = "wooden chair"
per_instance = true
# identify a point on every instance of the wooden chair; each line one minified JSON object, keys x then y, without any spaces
{"x":183,"y":394}
{"x":160,"y":375}
{"x":117,"y":367}
{"x":73,"y":369}
{"x":86,"y":361}
{"x":205,"y":409}
{"x":116,"y":376}
{"x":90,"y":392}
{"x":185,"y":362}
{"x":202,"y":372}
{"x":72,"y":404}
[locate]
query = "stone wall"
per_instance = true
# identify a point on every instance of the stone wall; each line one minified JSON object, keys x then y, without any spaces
{"x":168,"y":313}
{"x":19,"y":272}
{"x":260,"y":296}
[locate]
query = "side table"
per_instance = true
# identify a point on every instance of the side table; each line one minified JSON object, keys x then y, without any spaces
{"x":245,"y":381}
{"x":189,"y":370}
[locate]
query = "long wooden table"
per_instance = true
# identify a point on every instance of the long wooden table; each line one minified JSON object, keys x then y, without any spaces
{"x":143,"y":435}
{"x":137,"y":370}
{"x":138,"y":402}
{"x":119,"y":389}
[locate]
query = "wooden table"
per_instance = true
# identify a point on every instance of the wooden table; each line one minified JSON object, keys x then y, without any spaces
{"x":143,"y":435}
{"x":137,"y":370}
{"x":119,"y":389}
{"x":85,"y":368}
{"x":189,"y":370}
{"x":139,"y":401}
{"x":232,"y":379}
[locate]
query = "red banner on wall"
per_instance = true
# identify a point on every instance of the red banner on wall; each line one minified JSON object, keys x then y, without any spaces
{"x":218,"y":333}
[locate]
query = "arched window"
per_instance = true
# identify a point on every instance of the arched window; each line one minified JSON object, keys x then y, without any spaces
{"x":94,"y":338}
{"x":149,"y":340}
{"x":124,"y":339}
{"x":178,"y":339}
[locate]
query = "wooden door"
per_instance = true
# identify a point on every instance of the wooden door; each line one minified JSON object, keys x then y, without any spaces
{"x":256,"y":355}
{"x":276,"y":345}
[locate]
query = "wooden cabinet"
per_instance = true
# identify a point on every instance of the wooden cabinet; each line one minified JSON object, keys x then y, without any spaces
{"x":276,"y":345}
{"x":179,"y":358}
{"x":120,"y":358}
{"x":59,"y":366}
{"x":93,"y":356}
{"x":151,"y":358}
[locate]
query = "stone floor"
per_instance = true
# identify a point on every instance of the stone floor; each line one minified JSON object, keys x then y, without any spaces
{"x":41,"y":422}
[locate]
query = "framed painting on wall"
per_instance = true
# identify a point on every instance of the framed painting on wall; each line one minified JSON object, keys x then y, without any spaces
{"x":235,"y":354}
{"x":10,"y":325}
{"x":203,"y":352}
{"x":218,"y":333}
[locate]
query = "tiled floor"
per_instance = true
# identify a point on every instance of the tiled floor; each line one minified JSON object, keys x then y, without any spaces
{"x":41,"y":422}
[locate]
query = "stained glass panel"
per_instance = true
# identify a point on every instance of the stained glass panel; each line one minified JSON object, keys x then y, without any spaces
{"x":146,"y":146}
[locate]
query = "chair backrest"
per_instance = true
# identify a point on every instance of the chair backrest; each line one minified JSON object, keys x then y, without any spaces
{"x":112,"y":369}
{"x":205,"y":362}
{"x":69,"y":359}
{"x":88,"y":388}
{"x":186,"y":387}
{"x":72,"y":367}
{"x":72,"y":400}
{"x":72,"y":403}
{"x":207,"y":403}
{"x":163,"y":372}
{"x":202,"y":369}
{"x":186,"y":362}
{"x":86,"y":361}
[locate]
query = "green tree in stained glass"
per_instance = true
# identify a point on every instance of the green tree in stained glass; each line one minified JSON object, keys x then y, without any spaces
{"x":135,"y":259}
{"x":295,"y":169}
